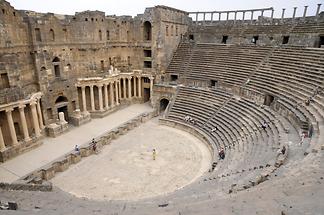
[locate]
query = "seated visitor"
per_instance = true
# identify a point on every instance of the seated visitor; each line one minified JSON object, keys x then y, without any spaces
{"x":221,"y":154}
{"x":264,"y":125}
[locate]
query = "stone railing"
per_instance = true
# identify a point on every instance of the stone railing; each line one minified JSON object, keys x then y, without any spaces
{"x":38,"y":179}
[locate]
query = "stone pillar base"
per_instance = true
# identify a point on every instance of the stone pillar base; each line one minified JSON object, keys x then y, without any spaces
{"x":80,"y":118}
{"x":56,"y":129}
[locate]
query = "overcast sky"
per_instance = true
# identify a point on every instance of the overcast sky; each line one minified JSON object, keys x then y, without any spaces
{"x":132,"y":7}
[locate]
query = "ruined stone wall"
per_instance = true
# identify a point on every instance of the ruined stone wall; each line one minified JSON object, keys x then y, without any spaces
{"x":18,"y":77}
{"x":169,"y":26}
{"x":301,"y":31}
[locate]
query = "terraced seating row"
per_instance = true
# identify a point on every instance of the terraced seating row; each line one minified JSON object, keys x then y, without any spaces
{"x":309,"y":27}
{"x":210,"y":60}
{"x":238,"y":130}
{"x":290,"y":74}
{"x":293,"y":75}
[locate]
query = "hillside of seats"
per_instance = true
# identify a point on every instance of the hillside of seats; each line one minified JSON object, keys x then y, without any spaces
{"x":292,"y":75}
{"x":244,"y":76}
{"x":233,"y":124}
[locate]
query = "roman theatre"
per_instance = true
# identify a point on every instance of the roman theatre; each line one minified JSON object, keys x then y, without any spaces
{"x":166,"y":112}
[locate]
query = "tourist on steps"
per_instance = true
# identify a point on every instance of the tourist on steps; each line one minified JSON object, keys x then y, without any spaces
{"x":94,"y":145}
{"x":77,"y":149}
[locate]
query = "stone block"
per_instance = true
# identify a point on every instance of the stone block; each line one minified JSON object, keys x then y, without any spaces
{"x":79,"y":118}
{"x":48,"y":173}
{"x":85,"y":152}
{"x":75,"y":158}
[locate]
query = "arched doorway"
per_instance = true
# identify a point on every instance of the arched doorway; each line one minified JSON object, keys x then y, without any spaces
{"x":163,"y":104}
{"x":147,"y":31}
{"x":268,"y":99}
{"x":61,"y":105}
{"x":56,"y":64}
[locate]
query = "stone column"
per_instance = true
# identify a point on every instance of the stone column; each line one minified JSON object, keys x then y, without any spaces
{"x":227,"y":16}
{"x":219,"y":16}
{"x":235,"y":15}
{"x":92,"y":98}
{"x":11,"y":127}
{"x":305,"y":11}
{"x":272,"y":13}
{"x":2,"y":144}
{"x":119,"y":89}
{"x":139,"y":87}
{"x":35,"y":118}
{"x":100,"y":97}
{"x":262,"y":12}
{"x":294,"y":14}
{"x":134,"y":81}
{"x":196,"y":17}
{"x":129,"y":87}
{"x":243,"y":16}
{"x":84,"y":101}
{"x":151,"y":88}
{"x":283,"y":14}
{"x":318,"y":9}
{"x":106,"y":96}
{"x":111,"y":92}
{"x":23,"y":122}
{"x":40,"y":116}
{"x":211,"y":17}
{"x":116,"y":92}
{"x":252,"y":12}
{"x":204,"y":19}
{"x":124,"y":88}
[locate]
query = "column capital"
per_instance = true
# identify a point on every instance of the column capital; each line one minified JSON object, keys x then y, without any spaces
{"x":33,"y":102}
{"x":9,"y":110}
{"x":99,"y":85}
{"x":21,"y":106}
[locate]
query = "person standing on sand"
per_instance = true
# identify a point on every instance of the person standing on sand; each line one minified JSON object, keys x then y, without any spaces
{"x":154,"y":154}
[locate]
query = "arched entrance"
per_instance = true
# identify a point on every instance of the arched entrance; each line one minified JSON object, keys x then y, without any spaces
{"x":56,"y":64}
{"x":147,"y":31}
{"x":61,"y":105}
{"x":163,"y":104}
{"x":268,"y":99}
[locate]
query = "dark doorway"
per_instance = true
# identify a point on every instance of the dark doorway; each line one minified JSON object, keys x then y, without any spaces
{"x":147,"y":64}
{"x":213,"y":83}
{"x":191,"y":37}
{"x":4,"y":81}
{"x":255,"y":39}
{"x":64,"y":109}
{"x":224,"y":40}
{"x":61,"y":104}
{"x":268,"y":99}
{"x":163,"y":105}
{"x":285,"y":39}
{"x":321,"y":42}
{"x":56,"y":64}
{"x":147,"y":94}
{"x":147,"y":53}
{"x":174,"y":77}
{"x":147,"y":31}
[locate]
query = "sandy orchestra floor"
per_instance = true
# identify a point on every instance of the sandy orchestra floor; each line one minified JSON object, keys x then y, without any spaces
{"x":125,"y":169}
